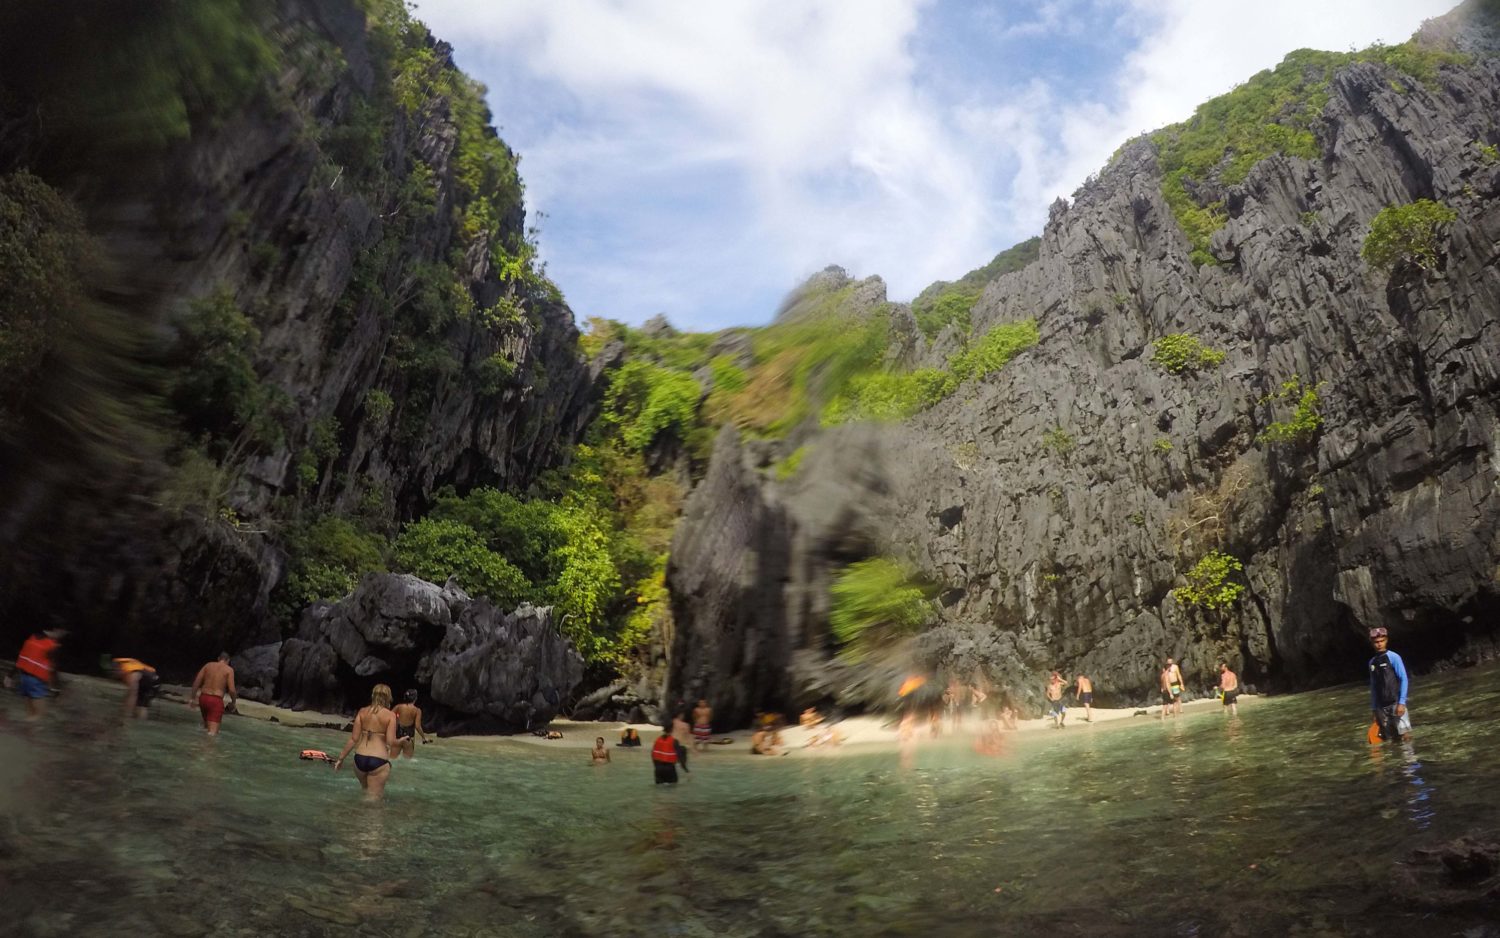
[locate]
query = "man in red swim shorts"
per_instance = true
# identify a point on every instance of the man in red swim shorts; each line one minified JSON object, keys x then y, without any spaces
{"x":214,"y":681}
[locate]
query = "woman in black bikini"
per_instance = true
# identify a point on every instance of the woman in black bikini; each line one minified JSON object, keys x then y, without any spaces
{"x":408,"y":725}
{"x":373,"y":738}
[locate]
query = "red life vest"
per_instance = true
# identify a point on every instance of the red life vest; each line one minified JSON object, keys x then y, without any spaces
{"x":664,"y":749}
{"x":36,"y":657}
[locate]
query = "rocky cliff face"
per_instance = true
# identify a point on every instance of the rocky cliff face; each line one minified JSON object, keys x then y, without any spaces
{"x":381,"y":393}
{"x":1053,"y":555}
{"x":483,"y":669}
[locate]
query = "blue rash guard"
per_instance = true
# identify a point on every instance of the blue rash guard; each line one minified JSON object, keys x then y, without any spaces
{"x":1387,"y":680}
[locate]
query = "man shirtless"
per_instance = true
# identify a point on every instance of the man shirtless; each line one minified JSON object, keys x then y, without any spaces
{"x":214,"y":682}
{"x":1229,"y":683}
{"x":703,"y":724}
{"x":1084,"y":693}
{"x":1055,"y":706}
{"x":1171,"y":682}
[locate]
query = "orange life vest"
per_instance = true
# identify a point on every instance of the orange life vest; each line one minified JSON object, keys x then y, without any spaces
{"x":664,"y":749}
{"x":36,"y":657}
{"x":130,"y":666}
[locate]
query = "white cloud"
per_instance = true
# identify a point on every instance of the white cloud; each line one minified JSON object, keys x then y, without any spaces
{"x":713,"y":154}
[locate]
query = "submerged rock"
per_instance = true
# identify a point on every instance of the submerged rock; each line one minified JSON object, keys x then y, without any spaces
{"x":1462,"y":872}
{"x":483,"y":668}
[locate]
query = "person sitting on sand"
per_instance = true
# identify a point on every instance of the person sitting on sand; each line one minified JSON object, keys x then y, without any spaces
{"x":1009,"y":719}
{"x":600,"y":754}
{"x":810,"y":718}
{"x":409,"y":725}
{"x":372,"y":736}
{"x":629,"y":738}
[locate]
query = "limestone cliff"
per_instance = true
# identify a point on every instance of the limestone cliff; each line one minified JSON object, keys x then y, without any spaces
{"x":1058,"y":502}
{"x":342,"y":238}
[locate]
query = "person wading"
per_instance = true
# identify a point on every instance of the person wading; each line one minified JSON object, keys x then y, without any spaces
{"x":372,"y":736}
{"x":1388,"y":685}
{"x":141,"y":683}
{"x":664,"y":757}
{"x":215,"y":682}
{"x":1229,"y":685}
{"x":38,"y":673}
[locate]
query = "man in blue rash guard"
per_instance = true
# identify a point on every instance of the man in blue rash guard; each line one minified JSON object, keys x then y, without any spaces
{"x":1388,"y":690}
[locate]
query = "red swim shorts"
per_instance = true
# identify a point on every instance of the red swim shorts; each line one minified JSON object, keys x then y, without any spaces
{"x":211,"y":707}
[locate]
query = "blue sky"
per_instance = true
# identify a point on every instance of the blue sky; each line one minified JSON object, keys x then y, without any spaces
{"x":700,"y":159}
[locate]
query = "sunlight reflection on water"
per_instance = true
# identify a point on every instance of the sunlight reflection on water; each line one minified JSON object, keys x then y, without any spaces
{"x":1282,"y":821}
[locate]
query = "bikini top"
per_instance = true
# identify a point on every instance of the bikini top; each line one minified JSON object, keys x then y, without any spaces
{"x":370,"y":714}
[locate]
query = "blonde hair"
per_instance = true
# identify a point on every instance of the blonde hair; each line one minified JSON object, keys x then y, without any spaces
{"x":381,"y":696}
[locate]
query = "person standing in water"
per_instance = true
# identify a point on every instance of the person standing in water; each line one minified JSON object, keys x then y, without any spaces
{"x":408,"y":725}
{"x":1388,"y":686}
{"x":664,"y":757}
{"x":600,"y":754}
{"x":373,"y":739}
{"x":214,"y":682}
{"x":38,"y":673}
{"x":1171,"y":677}
{"x":703,"y":724}
{"x":1083,"y":691}
{"x":1229,"y":685}
{"x":141,"y":683}
{"x":683,"y":734}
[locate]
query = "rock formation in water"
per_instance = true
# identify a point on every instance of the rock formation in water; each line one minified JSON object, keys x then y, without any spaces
{"x":478,"y":668}
{"x":1058,"y":502}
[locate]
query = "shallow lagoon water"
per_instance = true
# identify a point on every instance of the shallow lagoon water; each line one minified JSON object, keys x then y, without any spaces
{"x":1283,"y":821}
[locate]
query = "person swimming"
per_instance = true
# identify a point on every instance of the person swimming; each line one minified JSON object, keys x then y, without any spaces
{"x":372,"y":736}
{"x":600,"y":754}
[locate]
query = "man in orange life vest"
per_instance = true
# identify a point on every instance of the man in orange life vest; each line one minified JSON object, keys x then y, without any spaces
{"x":141,"y":682}
{"x":666,"y":753}
{"x":38,"y":674}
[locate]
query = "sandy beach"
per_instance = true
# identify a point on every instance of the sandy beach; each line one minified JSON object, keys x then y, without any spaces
{"x":859,"y":734}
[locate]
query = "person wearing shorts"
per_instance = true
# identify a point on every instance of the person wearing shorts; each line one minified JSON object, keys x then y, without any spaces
{"x":1388,"y":686}
{"x":141,"y":683}
{"x":1055,"y":706}
{"x":1084,"y":692}
{"x":37,"y":673}
{"x":1229,"y":684}
{"x":212,"y":688}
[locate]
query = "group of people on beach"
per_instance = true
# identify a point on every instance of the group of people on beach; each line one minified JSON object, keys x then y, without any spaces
{"x":381,"y":733}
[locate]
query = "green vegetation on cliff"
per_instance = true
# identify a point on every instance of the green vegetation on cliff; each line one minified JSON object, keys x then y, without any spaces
{"x":945,"y":303}
{"x":875,"y":602}
{"x":1276,"y":111}
{"x":1406,"y":234}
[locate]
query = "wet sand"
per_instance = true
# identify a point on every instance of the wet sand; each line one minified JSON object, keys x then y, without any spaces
{"x":861,"y":734}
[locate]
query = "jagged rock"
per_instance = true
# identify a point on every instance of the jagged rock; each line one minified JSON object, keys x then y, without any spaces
{"x":481,"y":668}
{"x":1464,"y":872}
{"x":255,"y":671}
{"x":1388,"y":517}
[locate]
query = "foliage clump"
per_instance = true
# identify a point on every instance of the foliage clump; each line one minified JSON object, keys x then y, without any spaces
{"x":1183,"y":353}
{"x":875,"y":602}
{"x":1406,"y":234}
{"x":1306,"y":418}
{"x":1276,"y":111}
{"x":1211,"y":583}
{"x":943,"y":304}
{"x":1059,"y":441}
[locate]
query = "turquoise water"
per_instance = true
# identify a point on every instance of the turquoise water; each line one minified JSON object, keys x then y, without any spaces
{"x":1282,"y":822}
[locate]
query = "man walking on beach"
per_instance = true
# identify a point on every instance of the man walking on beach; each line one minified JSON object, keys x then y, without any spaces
{"x":1229,"y":685}
{"x":1171,"y":679}
{"x":1084,"y":693}
{"x":1388,"y":686}
{"x":215,"y":680}
{"x":1055,"y":706}
{"x":38,"y":675}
